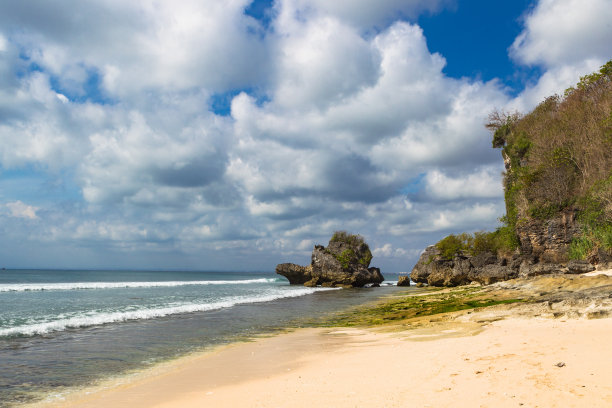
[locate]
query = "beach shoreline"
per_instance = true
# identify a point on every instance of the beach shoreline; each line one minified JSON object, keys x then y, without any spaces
{"x":505,"y":355}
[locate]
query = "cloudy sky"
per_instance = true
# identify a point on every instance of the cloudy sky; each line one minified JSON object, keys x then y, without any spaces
{"x":234,"y":135}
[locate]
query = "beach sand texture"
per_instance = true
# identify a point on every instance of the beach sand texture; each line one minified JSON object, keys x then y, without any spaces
{"x":528,"y":362}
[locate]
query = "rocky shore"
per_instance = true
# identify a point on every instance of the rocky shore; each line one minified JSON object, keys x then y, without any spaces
{"x":544,"y":249}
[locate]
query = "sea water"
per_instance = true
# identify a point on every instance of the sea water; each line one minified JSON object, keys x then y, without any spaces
{"x":61,"y":329}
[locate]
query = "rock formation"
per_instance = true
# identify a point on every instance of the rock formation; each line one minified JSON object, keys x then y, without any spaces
{"x":548,"y":241}
{"x":487,"y":268}
{"x":403,"y":280}
{"x":345,"y":262}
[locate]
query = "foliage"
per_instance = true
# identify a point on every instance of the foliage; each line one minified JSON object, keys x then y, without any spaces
{"x":453,"y":245}
{"x":349,"y":255}
{"x":580,"y":248}
{"x":501,"y":240}
{"x":557,"y":157}
{"x":556,"y":154}
{"x":345,"y":258}
{"x":347,"y":238}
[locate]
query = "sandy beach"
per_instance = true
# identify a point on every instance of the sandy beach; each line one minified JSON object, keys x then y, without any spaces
{"x":496,"y":357}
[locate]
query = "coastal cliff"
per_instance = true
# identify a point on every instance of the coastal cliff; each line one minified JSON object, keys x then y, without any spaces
{"x":558,"y":194}
{"x":344,"y":262}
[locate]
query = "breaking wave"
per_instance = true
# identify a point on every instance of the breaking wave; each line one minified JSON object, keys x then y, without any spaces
{"x":25,"y":287}
{"x":95,"y":318}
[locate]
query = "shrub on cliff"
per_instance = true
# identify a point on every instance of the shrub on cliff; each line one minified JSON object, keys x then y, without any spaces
{"x":358,"y":251}
{"x":559,"y":157}
{"x":480,"y":242}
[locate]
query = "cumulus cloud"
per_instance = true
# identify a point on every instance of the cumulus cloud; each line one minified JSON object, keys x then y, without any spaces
{"x":483,"y":183}
{"x":564,"y":32}
{"x":568,"y":39}
{"x":138,"y":46}
{"x":340,"y":118}
{"x":21,"y":210}
{"x":367,"y":14}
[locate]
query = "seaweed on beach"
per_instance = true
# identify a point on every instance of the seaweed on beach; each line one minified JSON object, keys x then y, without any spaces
{"x":427,"y":303}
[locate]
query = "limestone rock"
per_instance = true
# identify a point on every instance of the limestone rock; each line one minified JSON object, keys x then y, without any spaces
{"x":492,"y":273}
{"x":576,"y":266}
{"x":403,"y":280}
{"x":527,"y":270}
{"x":345,"y":263}
{"x":296,"y":274}
{"x":548,"y":240}
{"x":422,"y":269}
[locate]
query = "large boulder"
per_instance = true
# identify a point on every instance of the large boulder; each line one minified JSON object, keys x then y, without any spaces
{"x":422,"y":269}
{"x":578,"y":266}
{"x":492,"y":273}
{"x":484,"y":268}
{"x":449,"y":273}
{"x":344,"y":262}
{"x":403,"y":280}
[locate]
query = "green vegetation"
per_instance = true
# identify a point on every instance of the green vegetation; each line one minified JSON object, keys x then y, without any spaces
{"x":558,"y":157}
{"x":348,"y":238}
{"x":345,"y":258}
{"x":363,"y":255}
{"x":501,"y":240}
{"x":413,"y":306}
{"x":559,"y":151}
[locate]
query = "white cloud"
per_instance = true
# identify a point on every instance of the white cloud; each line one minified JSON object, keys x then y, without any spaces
{"x":3,"y":43}
{"x":344,"y":120}
{"x":569,"y":39}
{"x":565,"y":32}
{"x":483,"y":183}
{"x":19,"y":209}
{"x":366,"y":14}
{"x":138,"y":46}
{"x":385,"y":250}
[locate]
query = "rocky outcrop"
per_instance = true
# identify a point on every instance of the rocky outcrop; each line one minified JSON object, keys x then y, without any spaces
{"x":485,"y":268}
{"x":576,"y":266}
{"x":403,"y":280}
{"x":543,"y":250}
{"x":345,"y":263}
{"x":548,"y":241}
{"x":492,"y":273}
{"x":296,"y":274}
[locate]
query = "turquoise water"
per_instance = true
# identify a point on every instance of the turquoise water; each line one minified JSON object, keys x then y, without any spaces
{"x":63,"y":329}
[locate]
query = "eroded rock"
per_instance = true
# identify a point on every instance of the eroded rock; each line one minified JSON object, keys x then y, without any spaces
{"x":344,"y":263}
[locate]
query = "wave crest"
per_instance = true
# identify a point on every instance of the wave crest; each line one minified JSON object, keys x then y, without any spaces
{"x":100,"y":318}
{"x":26,"y":287}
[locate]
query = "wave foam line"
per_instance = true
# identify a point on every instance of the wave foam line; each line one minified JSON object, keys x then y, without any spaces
{"x":25,"y":287}
{"x":95,"y":319}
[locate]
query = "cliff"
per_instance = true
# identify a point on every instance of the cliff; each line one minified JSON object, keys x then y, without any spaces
{"x":558,"y":194}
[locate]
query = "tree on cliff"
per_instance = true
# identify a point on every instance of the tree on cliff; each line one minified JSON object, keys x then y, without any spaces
{"x":559,"y":157}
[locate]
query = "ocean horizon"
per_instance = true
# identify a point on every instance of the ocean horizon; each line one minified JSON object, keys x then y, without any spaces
{"x":65,"y":329}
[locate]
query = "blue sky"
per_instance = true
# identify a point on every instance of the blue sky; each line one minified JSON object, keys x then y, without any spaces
{"x":236,"y":135}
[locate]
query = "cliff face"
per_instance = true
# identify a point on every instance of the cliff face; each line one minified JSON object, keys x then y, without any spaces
{"x":548,"y":241}
{"x":344,"y":262}
{"x":558,"y":194}
{"x":558,"y":179}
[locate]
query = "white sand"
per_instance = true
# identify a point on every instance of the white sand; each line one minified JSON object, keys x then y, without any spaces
{"x":511,"y":363}
{"x":607,"y":272}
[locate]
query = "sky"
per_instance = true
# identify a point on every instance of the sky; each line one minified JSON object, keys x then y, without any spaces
{"x":236,"y":134}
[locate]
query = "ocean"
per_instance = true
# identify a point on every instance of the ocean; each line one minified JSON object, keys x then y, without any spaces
{"x":65,"y":329}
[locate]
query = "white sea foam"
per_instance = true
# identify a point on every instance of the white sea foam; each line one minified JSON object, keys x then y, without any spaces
{"x":24,"y":287}
{"x":98,"y":318}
